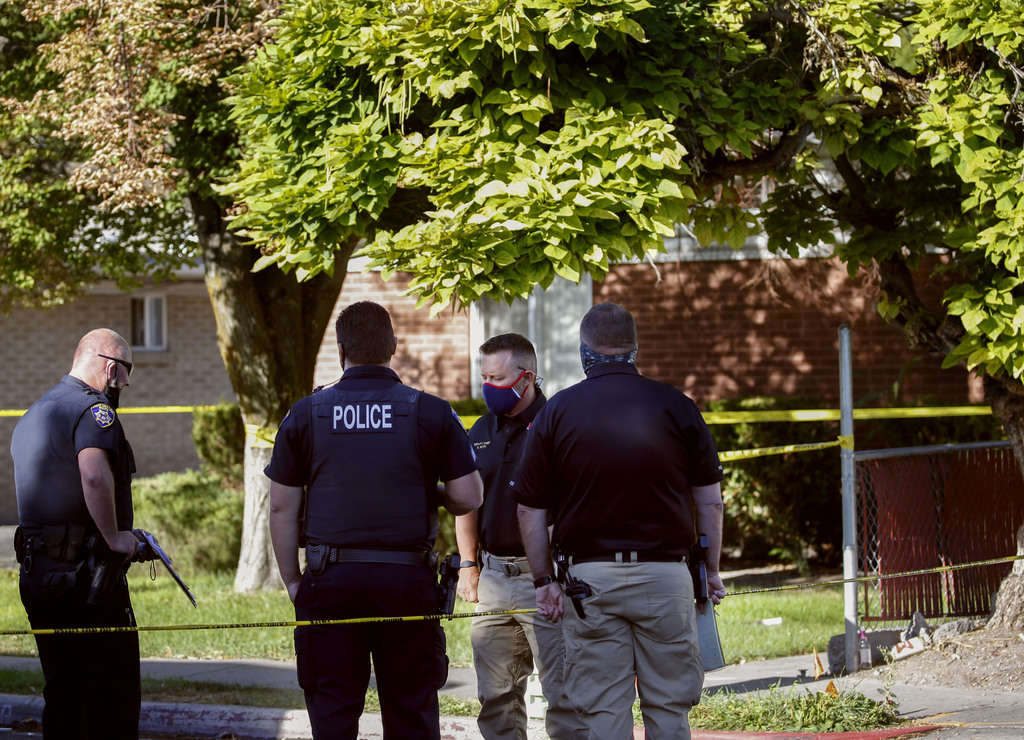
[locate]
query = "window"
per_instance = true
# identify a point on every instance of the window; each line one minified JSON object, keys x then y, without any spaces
{"x":149,"y":322}
{"x":548,"y":318}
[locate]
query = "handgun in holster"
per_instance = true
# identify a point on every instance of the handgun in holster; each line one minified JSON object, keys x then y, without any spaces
{"x":698,"y":564}
{"x":573,"y":587}
{"x":448,"y":583}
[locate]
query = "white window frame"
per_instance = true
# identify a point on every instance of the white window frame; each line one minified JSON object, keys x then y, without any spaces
{"x":155,"y":303}
{"x":550,"y":319}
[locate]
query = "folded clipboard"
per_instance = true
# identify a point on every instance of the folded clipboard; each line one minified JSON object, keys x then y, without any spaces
{"x":708,"y":639}
{"x":162,"y":556}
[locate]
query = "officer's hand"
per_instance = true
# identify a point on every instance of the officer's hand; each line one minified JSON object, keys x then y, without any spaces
{"x":550,"y":602}
{"x":124,"y":543}
{"x":468,"y":580}
{"x":293,"y":588}
{"x":145,"y":553}
{"x":716,"y":591}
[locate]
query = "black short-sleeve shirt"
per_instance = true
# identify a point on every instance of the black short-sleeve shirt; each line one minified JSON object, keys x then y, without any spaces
{"x":498,"y":442}
{"x":442,"y":440}
{"x":68,"y":418}
{"x":614,"y":457}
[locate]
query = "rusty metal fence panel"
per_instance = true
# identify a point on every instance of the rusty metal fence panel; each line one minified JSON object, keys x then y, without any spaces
{"x":926,"y":507}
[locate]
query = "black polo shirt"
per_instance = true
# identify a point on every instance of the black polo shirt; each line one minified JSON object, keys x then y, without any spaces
{"x":441,"y":437}
{"x":498,"y":442}
{"x":614,"y":457}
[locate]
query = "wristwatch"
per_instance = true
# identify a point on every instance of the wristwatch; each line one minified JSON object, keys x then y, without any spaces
{"x":468,"y":564}
{"x":543,"y":581}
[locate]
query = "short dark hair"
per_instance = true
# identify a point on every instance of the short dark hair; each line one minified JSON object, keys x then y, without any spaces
{"x":523,"y":353}
{"x":608,"y":328}
{"x":365,"y":333}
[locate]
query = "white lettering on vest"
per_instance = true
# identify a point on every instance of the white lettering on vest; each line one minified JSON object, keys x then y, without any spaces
{"x":363,"y":417}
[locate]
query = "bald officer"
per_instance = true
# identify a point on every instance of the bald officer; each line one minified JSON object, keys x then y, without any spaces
{"x":368,"y":452}
{"x":72,"y":474}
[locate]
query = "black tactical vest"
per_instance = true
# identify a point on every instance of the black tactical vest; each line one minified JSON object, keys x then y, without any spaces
{"x":367,"y":486}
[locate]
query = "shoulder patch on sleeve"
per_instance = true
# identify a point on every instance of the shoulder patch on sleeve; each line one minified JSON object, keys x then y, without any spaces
{"x":103,"y":415}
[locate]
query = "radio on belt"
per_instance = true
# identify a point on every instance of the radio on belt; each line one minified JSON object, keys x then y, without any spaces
{"x":366,"y":416}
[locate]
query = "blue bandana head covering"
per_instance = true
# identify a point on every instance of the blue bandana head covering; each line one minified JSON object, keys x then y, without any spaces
{"x":590,"y":358}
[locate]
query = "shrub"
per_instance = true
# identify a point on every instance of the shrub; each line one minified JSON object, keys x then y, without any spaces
{"x":219,"y":436}
{"x":196,"y":516}
{"x":470,"y":407}
{"x":790,"y":506}
{"x":780,"y":506}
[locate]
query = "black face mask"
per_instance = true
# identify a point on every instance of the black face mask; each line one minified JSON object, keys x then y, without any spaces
{"x":113,"y":394}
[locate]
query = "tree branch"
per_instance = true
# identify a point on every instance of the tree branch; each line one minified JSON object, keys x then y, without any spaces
{"x":776,"y":158}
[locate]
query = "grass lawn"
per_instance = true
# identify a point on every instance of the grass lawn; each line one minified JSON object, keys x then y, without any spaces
{"x":809,"y":618}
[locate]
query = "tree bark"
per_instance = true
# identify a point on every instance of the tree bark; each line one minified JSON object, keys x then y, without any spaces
{"x":269,"y":330}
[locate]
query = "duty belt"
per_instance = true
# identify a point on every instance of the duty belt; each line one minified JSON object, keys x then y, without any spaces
{"x":511,"y":567}
{"x":62,"y":543}
{"x":329,"y":554}
{"x":628,"y":556}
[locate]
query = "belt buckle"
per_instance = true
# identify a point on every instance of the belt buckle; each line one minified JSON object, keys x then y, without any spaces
{"x":511,"y":569}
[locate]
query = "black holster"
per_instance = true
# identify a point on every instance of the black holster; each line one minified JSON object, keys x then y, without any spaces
{"x":573,"y":587}
{"x":448,"y":583}
{"x":105,"y":576}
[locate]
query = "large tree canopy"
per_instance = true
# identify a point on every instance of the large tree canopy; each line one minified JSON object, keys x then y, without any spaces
{"x":527,"y":139}
{"x":113,"y":130}
{"x":48,"y":250}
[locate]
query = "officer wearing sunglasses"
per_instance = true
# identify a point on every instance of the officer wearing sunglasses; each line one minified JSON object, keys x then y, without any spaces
{"x":72,"y":471}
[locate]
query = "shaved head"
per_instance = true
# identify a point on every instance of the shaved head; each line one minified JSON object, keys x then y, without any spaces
{"x":92,"y":369}
{"x":100,"y":342}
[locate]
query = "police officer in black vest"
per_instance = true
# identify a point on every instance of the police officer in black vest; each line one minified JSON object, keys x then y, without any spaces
{"x":363,"y":458}
{"x":72,"y":475}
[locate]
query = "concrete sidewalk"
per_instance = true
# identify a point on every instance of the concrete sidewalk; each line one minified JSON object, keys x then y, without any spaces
{"x":962,"y":715}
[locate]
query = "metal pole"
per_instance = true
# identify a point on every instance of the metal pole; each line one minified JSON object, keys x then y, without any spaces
{"x":849,"y":499}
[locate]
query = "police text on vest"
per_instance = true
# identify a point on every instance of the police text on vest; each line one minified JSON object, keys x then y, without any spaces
{"x":362,"y":417}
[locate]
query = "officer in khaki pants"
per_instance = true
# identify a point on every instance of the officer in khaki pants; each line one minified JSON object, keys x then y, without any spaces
{"x":626,"y":469}
{"x":497,"y":575}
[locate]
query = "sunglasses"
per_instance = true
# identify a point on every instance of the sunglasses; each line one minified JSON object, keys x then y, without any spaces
{"x":123,"y":363}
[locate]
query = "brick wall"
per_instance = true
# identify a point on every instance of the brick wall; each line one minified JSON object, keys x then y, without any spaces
{"x":744,"y":328}
{"x":38,"y":349}
{"x":433,"y":353}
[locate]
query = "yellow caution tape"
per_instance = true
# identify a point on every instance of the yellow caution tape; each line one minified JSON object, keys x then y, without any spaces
{"x":877,"y":576}
{"x":257,"y":436}
{"x":711,"y":417}
{"x":296,"y":623}
{"x":131,"y":410}
{"x":730,"y":455}
{"x":912,"y":412}
{"x":470,"y":615}
{"x":164,"y":409}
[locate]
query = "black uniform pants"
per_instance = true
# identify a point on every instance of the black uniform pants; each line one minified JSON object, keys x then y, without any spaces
{"x":409,"y":660}
{"x":93,"y":687}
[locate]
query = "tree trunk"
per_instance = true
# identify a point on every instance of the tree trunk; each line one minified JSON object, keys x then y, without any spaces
{"x":269,"y":330}
{"x":1008,"y":406}
{"x":257,"y":567}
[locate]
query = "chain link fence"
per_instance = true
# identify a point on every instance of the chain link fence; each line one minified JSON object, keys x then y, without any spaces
{"x":922,"y":507}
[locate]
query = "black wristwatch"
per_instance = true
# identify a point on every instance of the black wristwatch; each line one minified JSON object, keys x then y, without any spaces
{"x":543,"y":581}
{"x":468,"y":564}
